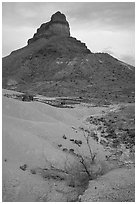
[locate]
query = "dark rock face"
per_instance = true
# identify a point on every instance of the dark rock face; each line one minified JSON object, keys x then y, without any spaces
{"x":57,"y":26}
{"x":58,"y":17}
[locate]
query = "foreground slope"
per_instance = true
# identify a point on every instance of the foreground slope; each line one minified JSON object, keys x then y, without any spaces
{"x":32,"y":133}
{"x":37,"y":162}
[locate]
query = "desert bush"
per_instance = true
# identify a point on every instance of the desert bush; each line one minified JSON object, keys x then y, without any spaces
{"x":82,"y":171}
{"x":75,"y":176}
{"x":78,"y":172}
{"x":86,"y":167}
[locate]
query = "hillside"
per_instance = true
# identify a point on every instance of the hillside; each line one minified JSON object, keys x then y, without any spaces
{"x":56,"y":64}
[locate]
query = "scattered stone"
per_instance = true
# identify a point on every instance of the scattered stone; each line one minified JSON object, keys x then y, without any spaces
{"x":78,"y":142}
{"x":24,"y":167}
{"x":71,"y":151}
{"x":64,"y":137}
{"x":59,"y":145}
{"x":33,"y":171}
{"x":65,"y":150}
{"x":27,"y":97}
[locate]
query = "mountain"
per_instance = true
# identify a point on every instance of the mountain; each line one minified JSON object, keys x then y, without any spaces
{"x":55,"y":64}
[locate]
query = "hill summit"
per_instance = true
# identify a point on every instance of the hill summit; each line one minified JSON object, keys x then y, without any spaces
{"x":58,"y":29}
{"x":55,"y":64}
{"x":57,"y":26}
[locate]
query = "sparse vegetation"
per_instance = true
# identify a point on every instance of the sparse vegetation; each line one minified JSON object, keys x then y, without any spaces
{"x":83,"y":165}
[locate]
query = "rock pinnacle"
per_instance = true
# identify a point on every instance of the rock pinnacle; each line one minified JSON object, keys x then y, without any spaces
{"x":57,"y":26}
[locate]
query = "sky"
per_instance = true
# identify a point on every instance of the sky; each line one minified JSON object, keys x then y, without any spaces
{"x":103,"y":26}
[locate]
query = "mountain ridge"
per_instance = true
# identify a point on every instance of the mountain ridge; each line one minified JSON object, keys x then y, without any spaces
{"x":56,"y":64}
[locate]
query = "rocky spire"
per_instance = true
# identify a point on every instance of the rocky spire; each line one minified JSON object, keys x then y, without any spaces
{"x":57,"y":26}
{"x":59,"y":17}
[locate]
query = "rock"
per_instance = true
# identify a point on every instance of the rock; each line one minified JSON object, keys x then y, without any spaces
{"x":23,"y":167}
{"x":33,"y":171}
{"x":71,"y":151}
{"x":58,"y":25}
{"x":58,"y":30}
{"x":64,"y":137}
{"x":59,"y":145}
{"x":78,"y":142}
{"x":27,"y":97}
{"x":65,"y":150}
{"x":59,"y":17}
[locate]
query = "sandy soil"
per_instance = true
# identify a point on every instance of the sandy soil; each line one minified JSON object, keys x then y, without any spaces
{"x":116,"y":186}
{"x":33,"y":140}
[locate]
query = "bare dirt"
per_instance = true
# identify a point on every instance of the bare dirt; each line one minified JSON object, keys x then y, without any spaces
{"x":41,"y":143}
{"x":116,"y":186}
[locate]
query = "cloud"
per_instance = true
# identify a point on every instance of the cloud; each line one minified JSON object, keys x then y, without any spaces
{"x":108,"y":50}
{"x":101,"y":25}
{"x":14,"y":38}
{"x":116,"y":14}
{"x":128,"y":59}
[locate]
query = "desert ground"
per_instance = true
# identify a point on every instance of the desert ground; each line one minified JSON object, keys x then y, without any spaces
{"x":46,"y":156}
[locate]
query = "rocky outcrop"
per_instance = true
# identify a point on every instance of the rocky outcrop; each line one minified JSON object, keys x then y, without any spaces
{"x":57,"y":26}
{"x":57,"y":34}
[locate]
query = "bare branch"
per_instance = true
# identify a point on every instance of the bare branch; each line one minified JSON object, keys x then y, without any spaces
{"x":84,"y":165}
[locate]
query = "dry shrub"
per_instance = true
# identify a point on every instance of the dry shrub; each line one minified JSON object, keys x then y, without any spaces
{"x":77,"y":178}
